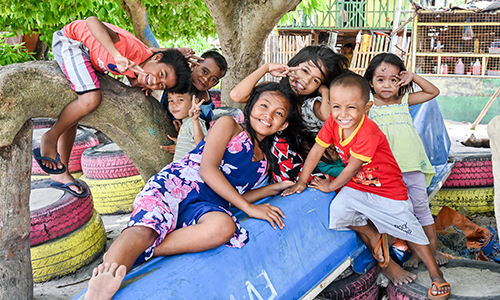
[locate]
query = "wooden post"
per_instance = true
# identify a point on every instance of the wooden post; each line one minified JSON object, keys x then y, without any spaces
{"x":485,"y":109}
{"x":493,"y":130}
{"x":16,"y":277}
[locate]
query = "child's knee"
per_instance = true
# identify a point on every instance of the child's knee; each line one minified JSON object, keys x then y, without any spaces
{"x":91,"y":101}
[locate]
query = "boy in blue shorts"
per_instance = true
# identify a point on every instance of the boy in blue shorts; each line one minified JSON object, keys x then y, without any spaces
{"x":373,"y":198}
{"x":83,"y":47}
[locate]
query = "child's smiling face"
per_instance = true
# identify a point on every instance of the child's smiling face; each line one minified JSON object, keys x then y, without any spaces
{"x":348,"y":107}
{"x":206,"y":75}
{"x":308,"y":78}
{"x":269,"y":114}
{"x":179,"y":105}
{"x":160,"y":76}
{"x":384,"y":81}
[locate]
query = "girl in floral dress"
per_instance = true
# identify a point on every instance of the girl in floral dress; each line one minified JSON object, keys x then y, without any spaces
{"x":184,"y":208}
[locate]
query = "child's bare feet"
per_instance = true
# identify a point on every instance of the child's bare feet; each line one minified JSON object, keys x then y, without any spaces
{"x":48,"y":148}
{"x":105,"y":282}
{"x":397,"y":275}
{"x":415,"y":260}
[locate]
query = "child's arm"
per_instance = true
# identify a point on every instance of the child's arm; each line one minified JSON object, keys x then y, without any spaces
{"x":216,"y":141}
{"x":194,"y":115}
{"x":327,"y":186}
{"x":266,"y":191}
{"x":241,"y":92}
{"x":323,"y":110}
{"x":311,"y":162}
{"x":428,"y":92}
{"x":107,"y":38}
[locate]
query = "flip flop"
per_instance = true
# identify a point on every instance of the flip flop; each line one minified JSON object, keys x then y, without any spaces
{"x":38,"y":157}
{"x":384,"y":243}
{"x":66,"y":188}
{"x":440,"y":296}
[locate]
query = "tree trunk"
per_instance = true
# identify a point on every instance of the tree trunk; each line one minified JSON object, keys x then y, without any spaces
{"x":243,"y":27}
{"x":136,"y":123}
{"x":139,"y":19}
{"x":16,"y":278}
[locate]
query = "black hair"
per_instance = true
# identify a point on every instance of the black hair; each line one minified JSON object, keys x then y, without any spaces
{"x":218,"y":58}
{"x":392,"y":59}
{"x":293,"y":117}
{"x":191,"y":91}
{"x":322,"y":57}
{"x":349,"y":45}
{"x":179,"y":63}
{"x":354,"y":80}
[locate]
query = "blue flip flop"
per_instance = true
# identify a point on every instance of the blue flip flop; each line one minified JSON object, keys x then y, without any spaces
{"x":38,"y":157}
{"x":65,"y":187}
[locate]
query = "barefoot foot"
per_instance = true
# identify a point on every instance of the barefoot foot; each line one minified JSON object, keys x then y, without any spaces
{"x":412,"y":262}
{"x":440,"y":258}
{"x":397,"y":275}
{"x":105,"y":282}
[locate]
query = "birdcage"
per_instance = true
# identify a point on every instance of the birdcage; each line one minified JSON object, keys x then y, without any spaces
{"x":456,"y":43}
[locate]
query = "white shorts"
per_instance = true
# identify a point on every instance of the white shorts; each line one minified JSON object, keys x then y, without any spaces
{"x":395,"y":217}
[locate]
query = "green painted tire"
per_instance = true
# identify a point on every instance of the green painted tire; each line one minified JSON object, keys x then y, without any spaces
{"x":69,"y":253}
{"x":477,"y":201}
{"x":114,"y":196}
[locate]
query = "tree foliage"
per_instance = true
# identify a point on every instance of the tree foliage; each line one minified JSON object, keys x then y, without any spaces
{"x":168,"y":19}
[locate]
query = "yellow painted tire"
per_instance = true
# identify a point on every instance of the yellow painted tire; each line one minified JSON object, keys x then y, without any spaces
{"x":47,"y":176}
{"x":69,"y":253}
{"x":114,"y":196}
{"x":477,"y":201}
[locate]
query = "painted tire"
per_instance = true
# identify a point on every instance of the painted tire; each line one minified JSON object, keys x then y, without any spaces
{"x":354,"y":287}
{"x":471,"y":172}
{"x":417,"y":291}
{"x":83,"y":140}
{"x":55,"y":213}
{"x":47,"y":176}
{"x":107,"y":161}
{"x":43,"y":123}
{"x":67,"y":254}
{"x":477,"y":201}
{"x":114,"y":196}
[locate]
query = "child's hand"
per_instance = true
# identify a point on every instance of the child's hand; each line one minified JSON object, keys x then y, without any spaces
{"x":405,"y":77}
{"x":298,"y":187}
{"x":147,"y":91}
{"x":278,"y":70}
{"x":323,"y":89}
{"x":267,"y":212}
{"x":124,"y":64}
{"x":177,"y":126}
{"x":321,"y":184}
{"x":189,"y":55}
{"x":195,"y":110}
{"x":278,"y":187}
{"x":170,"y":148}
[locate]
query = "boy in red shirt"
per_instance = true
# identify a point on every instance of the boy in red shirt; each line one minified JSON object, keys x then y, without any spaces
{"x":374,"y":189}
{"x":83,"y":47}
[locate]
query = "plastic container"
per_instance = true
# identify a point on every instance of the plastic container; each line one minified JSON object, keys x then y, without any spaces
{"x":476,"y":69}
{"x":359,"y":37}
{"x":476,"y":46}
{"x":366,"y":42}
{"x":444,"y":69}
{"x":459,"y":67}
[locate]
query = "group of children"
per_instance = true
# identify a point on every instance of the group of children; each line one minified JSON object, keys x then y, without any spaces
{"x":356,"y":130}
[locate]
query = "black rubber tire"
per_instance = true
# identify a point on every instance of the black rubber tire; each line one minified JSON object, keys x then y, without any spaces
{"x":471,"y":171}
{"x":56,"y":217}
{"x":107,"y":161}
{"x":43,"y":123}
{"x":354,"y":287}
{"x":416,"y":291}
{"x":83,"y":140}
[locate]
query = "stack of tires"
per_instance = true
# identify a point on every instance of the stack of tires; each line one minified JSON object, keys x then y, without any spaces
{"x":353,"y":287}
{"x":469,"y":186}
{"x":66,"y":232}
{"x":112,"y":177}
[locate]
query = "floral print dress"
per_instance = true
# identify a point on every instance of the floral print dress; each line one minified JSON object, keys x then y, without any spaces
{"x":177,"y":196}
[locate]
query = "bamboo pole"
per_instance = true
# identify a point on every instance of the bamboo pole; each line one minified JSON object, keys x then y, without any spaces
{"x":485,"y":109}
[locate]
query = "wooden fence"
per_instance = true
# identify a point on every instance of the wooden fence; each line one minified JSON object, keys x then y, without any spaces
{"x":280,"y":49}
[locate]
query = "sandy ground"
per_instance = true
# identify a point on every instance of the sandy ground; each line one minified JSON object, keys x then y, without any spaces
{"x":69,"y":286}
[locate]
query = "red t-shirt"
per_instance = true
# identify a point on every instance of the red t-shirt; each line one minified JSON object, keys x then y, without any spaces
{"x":128,"y":46}
{"x":380,"y":174}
